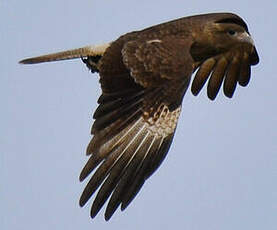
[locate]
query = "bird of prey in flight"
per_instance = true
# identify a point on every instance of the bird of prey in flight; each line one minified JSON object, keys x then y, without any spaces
{"x":144,"y":76}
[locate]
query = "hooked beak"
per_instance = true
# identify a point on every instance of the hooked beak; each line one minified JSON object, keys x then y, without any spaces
{"x":246,"y":38}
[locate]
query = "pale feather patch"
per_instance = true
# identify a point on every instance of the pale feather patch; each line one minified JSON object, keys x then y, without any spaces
{"x":98,"y":49}
{"x":120,"y":137}
{"x":163,"y":122}
{"x":154,"y":40}
{"x":135,"y":147}
{"x":133,"y":139}
{"x":160,"y":125}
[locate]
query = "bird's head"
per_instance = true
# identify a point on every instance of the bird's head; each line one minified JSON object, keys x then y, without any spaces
{"x":222,"y":32}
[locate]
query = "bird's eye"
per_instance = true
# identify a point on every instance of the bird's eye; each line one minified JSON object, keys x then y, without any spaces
{"x":232,"y":32}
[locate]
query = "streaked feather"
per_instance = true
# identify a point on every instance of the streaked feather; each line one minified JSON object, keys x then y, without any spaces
{"x":139,"y":177}
{"x":217,"y":77}
{"x":119,"y":191}
{"x":126,"y":148}
{"x":231,"y":78}
{"x":245,"y":70}
{"x":114,"y":175}
{"x":202,"y":75}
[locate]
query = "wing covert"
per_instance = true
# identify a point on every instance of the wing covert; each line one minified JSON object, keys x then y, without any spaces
{"x":153,"y":61}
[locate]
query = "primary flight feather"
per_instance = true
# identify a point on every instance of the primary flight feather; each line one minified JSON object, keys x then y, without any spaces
{"x":144,"y":76}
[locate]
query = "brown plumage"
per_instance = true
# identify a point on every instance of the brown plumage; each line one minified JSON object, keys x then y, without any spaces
{"x":144,"y":76}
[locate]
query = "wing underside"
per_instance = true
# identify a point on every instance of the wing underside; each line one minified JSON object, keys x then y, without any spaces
{"x":128,"y":146}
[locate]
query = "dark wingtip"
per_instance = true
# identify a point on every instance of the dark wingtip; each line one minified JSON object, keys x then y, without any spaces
{"x":81,"y":177}
{"x":108,"y":216}
{"x":93,"y":214}
{"x":95,"y":210}
{"x":195,"y":91}
{"x":24,"y":61}
{"x":229,"y":94}
{"x":35,"y":60}
{"x":212,"y":96}
{"x":124,"y":205}
{"x":244,"y":83}
{"x":82,"y":202}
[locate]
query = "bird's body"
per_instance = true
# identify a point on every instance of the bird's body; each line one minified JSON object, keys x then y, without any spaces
{"x":144,"y":76}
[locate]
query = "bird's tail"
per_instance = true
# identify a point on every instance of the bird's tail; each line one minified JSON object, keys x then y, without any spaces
{"x":83,"y":52}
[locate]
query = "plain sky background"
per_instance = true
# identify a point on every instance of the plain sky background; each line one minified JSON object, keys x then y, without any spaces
{"x":221,"y":171}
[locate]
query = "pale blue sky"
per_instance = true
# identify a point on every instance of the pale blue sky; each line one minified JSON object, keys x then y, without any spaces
{"x":221,"y":171}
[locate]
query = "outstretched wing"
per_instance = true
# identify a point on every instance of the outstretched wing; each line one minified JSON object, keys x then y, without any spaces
{"x":228,"y":68}
{"x":143,"y":82}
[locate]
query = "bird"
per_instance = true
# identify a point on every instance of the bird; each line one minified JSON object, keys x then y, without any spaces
{"x":144,"y":76}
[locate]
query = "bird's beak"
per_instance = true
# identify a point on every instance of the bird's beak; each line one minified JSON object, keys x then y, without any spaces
{"x":246,"y":38}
